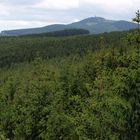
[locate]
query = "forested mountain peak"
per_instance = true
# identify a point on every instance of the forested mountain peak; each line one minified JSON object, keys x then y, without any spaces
{"x":94,"y":19}
{"x":94,"y":25}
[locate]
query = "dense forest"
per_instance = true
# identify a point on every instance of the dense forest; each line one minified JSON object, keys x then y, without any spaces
{"x":25,"y":48}
{"x":62,"y":33}
{"x":70,"y":88}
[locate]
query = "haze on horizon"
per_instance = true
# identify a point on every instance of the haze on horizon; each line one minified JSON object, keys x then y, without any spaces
{"x":18,"y":14}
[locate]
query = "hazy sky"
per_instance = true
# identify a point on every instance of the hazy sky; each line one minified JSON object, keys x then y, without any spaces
{"x":16,"y":14}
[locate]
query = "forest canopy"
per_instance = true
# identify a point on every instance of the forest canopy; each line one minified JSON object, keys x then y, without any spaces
{"x":74,"y":88}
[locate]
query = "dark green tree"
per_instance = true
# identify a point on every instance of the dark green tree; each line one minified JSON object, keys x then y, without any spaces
{"x":137,"y":18}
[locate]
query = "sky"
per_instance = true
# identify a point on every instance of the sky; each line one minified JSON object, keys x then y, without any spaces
{"x":19,"y":14}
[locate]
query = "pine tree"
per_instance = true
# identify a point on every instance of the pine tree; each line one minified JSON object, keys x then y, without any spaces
{"x":137,"y":18}
{"x":135,"y":37}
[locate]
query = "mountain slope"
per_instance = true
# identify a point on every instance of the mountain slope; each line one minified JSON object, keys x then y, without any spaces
{"x":95,"y":25}
{"x":50,"y":28}
{"x":99,"y":25}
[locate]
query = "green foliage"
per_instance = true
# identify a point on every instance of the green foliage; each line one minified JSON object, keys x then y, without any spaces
{"x":85,"y":93}
{"x":137,"y":18}
{"x":16,"y":50}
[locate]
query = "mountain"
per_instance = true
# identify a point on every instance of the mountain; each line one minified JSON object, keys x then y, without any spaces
{"x":98,"y":25}
{"x":94,"y":25}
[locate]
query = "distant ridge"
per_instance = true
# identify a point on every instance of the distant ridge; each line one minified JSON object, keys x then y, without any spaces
{"x":94,"y":25}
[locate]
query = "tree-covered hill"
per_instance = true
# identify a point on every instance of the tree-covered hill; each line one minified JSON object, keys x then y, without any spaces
{"x":75,"y":88}
{"x":94,"y":25}
{"x":24,"y":49}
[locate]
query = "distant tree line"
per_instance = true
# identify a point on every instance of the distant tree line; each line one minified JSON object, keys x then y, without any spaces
{"x":62,"y":33}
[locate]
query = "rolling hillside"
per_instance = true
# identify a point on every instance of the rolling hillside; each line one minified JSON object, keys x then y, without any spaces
{"x":95,"y":25}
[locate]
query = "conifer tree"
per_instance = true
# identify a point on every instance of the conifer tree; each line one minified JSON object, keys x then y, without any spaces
{"x":136,"y":36}
{"x":137,"y":18}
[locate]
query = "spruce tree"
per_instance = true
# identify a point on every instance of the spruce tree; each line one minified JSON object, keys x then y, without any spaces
{"x":137,"y":18}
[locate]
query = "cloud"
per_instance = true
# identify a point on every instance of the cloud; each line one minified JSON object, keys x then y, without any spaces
{"x":18,"y":2}
{"x":57,"y":4}
{"x":18,"y":24}
{"x":114,"y":9}
{"x":112,"y":3}
{"x":5,"y":10}
{"x":33,"y":13}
